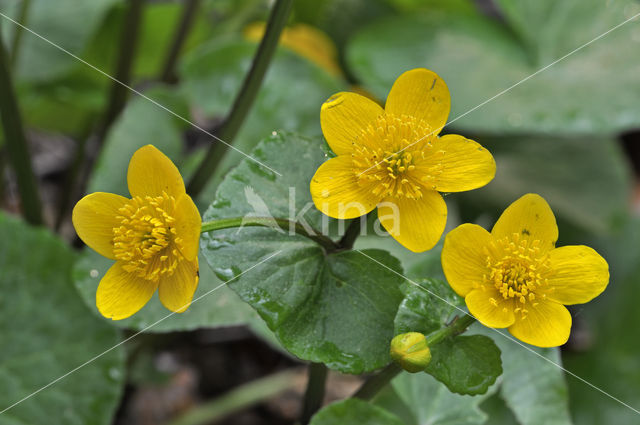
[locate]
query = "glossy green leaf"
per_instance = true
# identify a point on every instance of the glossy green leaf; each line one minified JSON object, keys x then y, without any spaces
{"x":586,"y":181}
{"x":337,"y":309}
{"x":593,"y":90}
{"x":47,"y":332}
{"x":421,"y":400}
{"x":533,"y":383}
{"x":465,"y":364}
{"x":290,"y":97}
{"x":354,"y":412}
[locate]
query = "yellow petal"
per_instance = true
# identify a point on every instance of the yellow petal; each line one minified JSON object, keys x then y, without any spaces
{"x":176,"y":291}
{"x":422,"y":94}
{"x":188,"y":223}
{"x":464,"y":260}
{"x":151,"y":172}
{"x":336,"y":192}
{"x":121,"y":294}
{"x":462,"y":164}
{"x":416,"y":223}
{"x":490,"y":308}
{"x":531,"y":218}
{"x":344,"y":116}
{"x":546,"y":325}
{"x":577,"y":274}
{"x":94,"y":218}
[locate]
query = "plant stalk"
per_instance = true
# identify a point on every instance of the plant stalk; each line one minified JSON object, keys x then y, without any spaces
{"x":23,"y":15}
{"x":16,"y":145}
{"x":314,"y":395}
{"x":377,"y":382}
{"x":245,"y":98}
{"x":277,"y":223}
{"x":168,"y":74}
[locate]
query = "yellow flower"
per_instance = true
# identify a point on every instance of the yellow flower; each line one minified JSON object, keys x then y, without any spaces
{"x":515,"y":277}
{"x":394,"y":159}
{"x":305,"y":40}
{"x":153,"y":237}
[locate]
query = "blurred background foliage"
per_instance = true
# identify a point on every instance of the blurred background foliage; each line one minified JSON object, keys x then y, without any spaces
{"x":569,"y":133}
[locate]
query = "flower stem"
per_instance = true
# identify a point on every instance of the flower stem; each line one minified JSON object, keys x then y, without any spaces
{"x":351,"y":234}
{"x":314,"y":395}
{"x":281,"y":223}
{"x":377,"y":382}
{"x":23,"y":14}
{"x":242,"y":104}
{"x":16,"y":145}
{"x":182,"y":31}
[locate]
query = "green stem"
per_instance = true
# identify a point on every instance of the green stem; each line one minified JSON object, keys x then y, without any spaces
{"x":23,"y":15}
{"x":351,"y":234}
{"x":374,"y":384}
{"x":281,"y":223}
{"x":242,"y":104}
{"x":179,"y":37}
{"x":237,"y":399}
{"x":314,"y":396}
{"x":16,"y":145}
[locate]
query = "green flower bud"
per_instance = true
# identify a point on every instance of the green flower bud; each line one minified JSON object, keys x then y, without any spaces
{"x":410,"y":350}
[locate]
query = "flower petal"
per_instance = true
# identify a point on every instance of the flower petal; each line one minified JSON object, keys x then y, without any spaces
{"x":422,"y":94}
{"x":490,"y":308}
{"x":464,"y":261}
{"x":416,"y":223}
{"x":176,"y":291}
{"x":121,"y":294}
{"x":548,"y":324}
{"x":344,"y":116}
{"x":462,"y":164}
{"x":531,"y":218}
{"x":151,"y":172}
{"x":577,"y":274}
{"x":188,"y":223}
{"x":336,"y":192}
{"x":94,"y":218}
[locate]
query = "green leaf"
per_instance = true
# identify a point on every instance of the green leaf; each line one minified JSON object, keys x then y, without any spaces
{"x":337,"y":309}
{"x":592,"y":90}
{"x":290,"y":97}
{"x":532,"y":385}
{"x":47,"y":332}
{"x":354,"y":412}
{"x":465,"y":364}
{"x":562,"y":171}
{"x":427,"y":306}
{"x":421,"y":400}
{"x":67,"y":23}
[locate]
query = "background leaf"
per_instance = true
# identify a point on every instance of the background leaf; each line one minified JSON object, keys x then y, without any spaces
{"x":354,"y":412}
{"x":593,"y":90}
{"x":337,"y":309}
{"x":47,"y":332}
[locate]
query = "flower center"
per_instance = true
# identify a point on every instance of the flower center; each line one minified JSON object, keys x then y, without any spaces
{"x":518,"y":274}
{"x":394,"y":156}
{"x":146,"y":240}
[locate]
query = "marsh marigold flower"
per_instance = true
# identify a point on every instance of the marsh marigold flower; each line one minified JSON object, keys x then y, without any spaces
{"x":153,"y":237}
{"x":393,"y":159}
{"x":516,"y":278}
